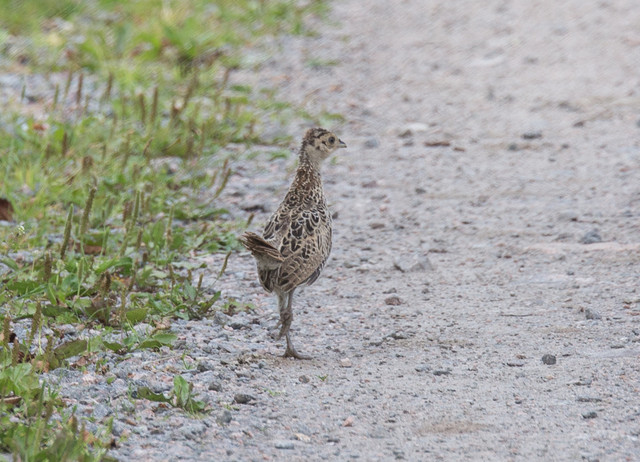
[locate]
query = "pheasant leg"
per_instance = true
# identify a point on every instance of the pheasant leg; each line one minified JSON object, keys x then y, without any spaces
{"x":291,"y":351}
{"x":286,"y":318}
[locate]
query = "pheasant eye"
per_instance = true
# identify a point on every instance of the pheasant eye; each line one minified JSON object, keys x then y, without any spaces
{"x":332,"y":140}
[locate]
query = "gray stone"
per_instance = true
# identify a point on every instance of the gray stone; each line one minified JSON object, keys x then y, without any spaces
{"x":591,"y":314}
{"x":100,"y":411}
{"x":215,"y":385}
{"x":549,"y":360}
{"x":193,"y":431}
{"x":243,"y":398}
{"x":284,"y":445}
{"x":224,"y":418}
{"x":415,"y":263}
{"x":206,"y":365}
{"x":592,"y":237}
{"x":220,"y":318}
{"x":371,"y":143}
{"x":532,"y":135}
{"x":588,"y":399}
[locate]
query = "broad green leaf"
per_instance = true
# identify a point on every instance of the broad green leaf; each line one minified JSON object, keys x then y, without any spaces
{"x":114,"y":346}
{"x":69,"y":349}
{"x":146,"y":393}
{"x":158,"y":340}
{"x":54,"y":310}
{"x":136,"y":315}
{"x":10,"y":263}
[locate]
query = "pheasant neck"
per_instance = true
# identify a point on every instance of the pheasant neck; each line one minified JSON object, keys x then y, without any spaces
{"x":306,"y":161}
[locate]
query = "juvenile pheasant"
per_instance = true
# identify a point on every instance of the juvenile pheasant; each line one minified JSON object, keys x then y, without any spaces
{"x":296,"y":241}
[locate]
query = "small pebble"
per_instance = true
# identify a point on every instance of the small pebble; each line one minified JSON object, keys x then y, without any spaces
{"x":442,"y":372}
{"x":588,"y":399}
{"x":304,"y":379}
{"x":548,"y":359}
{"x":206,"y":365}
{"x":345,"y":362}
{"x":591,"y":314}
{"x":284,"y":445}
{"x":589,"y":415}
{"x":224,"y":418}
{"x":220,"y":318}
{"x":515,"y":363}
{"x":532,"y":135}
{"x":592,"y":237}
{"x":302,"y":437}
{"x":238,"y":325}
{"x":394,"y":300}
{"x":243,"y":398}
{"x":583,"y":382}
{"x":398,"y":335}
{"x":414,"y":263}
{"x":215,"y":386}
{"x":348,"y":422}
{"x":371,"y":143}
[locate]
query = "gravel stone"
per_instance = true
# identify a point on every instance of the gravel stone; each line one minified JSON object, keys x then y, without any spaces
{"x":243,"y":398}
{"x":371,"y":143}
{"x":221,"y":319}
{"x":588,"y":399}
{"x":193,"y":431}
{"x":534,"y":135}
{"x":592,"y":237}
{"x":346,"y":362}
{"x":215,"y":385}
{"x":591,"y":314}
{"x":549,"y":360}
{"x":224,"y":418}
{"x":394,"y":300}
{"x":284,"y":445}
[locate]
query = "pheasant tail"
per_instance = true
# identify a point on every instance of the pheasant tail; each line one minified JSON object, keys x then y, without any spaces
{"x":267,"y":256}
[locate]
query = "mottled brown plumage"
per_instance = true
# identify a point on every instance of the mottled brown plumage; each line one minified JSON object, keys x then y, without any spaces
{"x":296,"y":241}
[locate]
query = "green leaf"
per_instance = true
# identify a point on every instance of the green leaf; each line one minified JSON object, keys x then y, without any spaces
{"x":25,"y":287}
{"x":10,"y":263}
{"x":19,"y":379}
{"x":54,"y":310}
{"x":189,"y":291}
{"x":146,"y":393}
{"x":69,"y":349}
{"x":181,"y":388}
{"x":51,"y":295}
{"x":114,"y":346}
{"x":136,"y":315}
{"x":105,"y":265}
{"x":158,"y":340}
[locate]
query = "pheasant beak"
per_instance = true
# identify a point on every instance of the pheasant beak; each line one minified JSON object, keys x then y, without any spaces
{"x":341,"y":144}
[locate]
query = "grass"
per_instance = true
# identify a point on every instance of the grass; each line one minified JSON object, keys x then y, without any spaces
{"x":109,"y":178}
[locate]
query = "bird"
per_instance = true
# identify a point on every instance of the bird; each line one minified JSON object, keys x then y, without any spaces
{"x":296,"y":241}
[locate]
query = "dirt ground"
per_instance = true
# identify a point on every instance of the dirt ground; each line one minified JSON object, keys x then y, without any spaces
{"x":487,"y":215}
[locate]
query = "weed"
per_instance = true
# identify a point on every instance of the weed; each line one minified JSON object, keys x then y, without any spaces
{"x":105,"y":184}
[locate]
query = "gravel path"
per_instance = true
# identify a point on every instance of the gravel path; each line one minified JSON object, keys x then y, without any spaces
{"x":482,"y":299}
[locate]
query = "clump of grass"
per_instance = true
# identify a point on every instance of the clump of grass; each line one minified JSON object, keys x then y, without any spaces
{"x":116,"y":185}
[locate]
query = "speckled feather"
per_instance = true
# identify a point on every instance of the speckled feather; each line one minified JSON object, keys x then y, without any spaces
{"x":300,"y":229}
